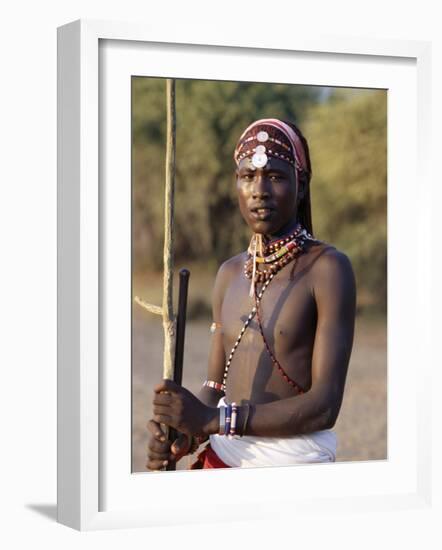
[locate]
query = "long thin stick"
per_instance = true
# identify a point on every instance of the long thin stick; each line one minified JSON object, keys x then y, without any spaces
{"x":166,"y":311}
{"x":168,"y":317}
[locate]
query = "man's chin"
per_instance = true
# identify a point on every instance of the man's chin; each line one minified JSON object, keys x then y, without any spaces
{"x":263,"y":227}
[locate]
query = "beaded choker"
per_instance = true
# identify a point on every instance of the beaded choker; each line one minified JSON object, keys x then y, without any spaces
{"x":274,"y":256}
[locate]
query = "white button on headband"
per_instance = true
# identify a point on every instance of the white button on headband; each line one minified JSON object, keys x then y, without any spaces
{"x":262,"y":136}
{"x":259,"y":160}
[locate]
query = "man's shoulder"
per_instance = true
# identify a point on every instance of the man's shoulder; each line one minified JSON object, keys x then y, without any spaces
{"x":331,"y":267}
{"x":328,"y":257}
{"x":229,"y":269}
{"x":232,"y":265}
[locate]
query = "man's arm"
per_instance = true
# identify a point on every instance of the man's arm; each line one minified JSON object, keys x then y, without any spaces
{"x":217,"y":358}
{"x":333,"y":287}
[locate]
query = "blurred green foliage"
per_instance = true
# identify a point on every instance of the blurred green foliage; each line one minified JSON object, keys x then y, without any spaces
{"x":348,"y":145}
{"x":346,"y":130}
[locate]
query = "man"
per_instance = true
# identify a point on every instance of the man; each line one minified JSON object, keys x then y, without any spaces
{"x":283,"y":322}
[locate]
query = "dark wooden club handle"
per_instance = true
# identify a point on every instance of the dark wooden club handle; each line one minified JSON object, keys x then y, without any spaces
{"x":179,"y":343}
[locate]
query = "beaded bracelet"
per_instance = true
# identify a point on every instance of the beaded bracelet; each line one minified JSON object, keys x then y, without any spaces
{"x":215,"y":385}
{"x":215,"y":326}
{"x":228,"y":419}
{"x":233,"y":421}
{"x":222,"y":420}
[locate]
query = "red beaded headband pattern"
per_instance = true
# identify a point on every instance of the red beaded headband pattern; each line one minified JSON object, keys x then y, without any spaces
{"x":260,"y":140}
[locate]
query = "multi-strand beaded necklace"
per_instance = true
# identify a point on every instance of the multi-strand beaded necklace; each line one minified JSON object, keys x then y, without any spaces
{"x":280,"y":253}
{"x":275,"y":254}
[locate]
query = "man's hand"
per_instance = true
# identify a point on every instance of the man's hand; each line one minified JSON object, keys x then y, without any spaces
{"x":176,"y":407}
{"x":160,"y":451}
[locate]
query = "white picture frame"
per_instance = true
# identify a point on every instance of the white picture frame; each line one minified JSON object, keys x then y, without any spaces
{"x":84,"y":439}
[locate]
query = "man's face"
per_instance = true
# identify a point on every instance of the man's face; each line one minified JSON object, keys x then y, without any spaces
{"x":267,"y":196}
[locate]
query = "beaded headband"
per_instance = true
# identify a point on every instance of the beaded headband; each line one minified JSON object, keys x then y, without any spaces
{"x":271,"y":137}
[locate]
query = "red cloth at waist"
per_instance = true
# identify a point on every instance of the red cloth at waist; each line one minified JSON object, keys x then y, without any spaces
{"x":207,"y":458}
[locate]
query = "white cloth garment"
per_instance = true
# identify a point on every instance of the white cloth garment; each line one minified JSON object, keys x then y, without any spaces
{"x":250,"y":451}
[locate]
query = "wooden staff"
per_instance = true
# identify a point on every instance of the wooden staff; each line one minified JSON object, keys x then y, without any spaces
{"x":168,"y":319}
{"x":167,"y":308}
{"x":172,"y":362}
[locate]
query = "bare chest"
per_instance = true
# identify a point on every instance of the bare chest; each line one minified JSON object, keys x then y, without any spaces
{"x":276,"y":340}
{"x":286,"y":313}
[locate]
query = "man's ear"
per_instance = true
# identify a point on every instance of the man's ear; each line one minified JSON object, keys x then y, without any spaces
{"x":302,"y":185}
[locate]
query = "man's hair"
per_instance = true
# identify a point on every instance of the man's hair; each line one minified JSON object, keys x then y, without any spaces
{"x":304,"y":206}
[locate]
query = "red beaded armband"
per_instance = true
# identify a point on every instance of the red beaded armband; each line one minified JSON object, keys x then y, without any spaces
{"x":215,"y":385}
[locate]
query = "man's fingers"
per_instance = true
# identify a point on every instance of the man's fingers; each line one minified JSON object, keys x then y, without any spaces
{"x":164,"y":419}
{"x":166,"y":385}
{"x":155,"y":455}
{"x":156,"y":430}
{"x":162,"y":399}
{"x":155,"y":465}
{"x":180,"y":446}
{"x":163,"y":409}
{"x":158,"y":446}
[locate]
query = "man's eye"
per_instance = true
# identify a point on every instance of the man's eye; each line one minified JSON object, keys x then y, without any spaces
{"x":275,"y":177}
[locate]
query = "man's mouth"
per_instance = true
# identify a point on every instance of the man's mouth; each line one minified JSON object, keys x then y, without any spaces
{"x":262,"y":213}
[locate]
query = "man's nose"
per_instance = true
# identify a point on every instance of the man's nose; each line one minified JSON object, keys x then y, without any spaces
{"x":261,"y":189}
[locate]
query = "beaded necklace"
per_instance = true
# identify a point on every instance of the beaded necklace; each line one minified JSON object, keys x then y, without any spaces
{"x":279,"y":253}
{"x":282,"y":251}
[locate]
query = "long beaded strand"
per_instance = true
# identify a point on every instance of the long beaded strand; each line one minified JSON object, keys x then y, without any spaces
{"x":276,"y":363}
{"x":252,"y":314}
